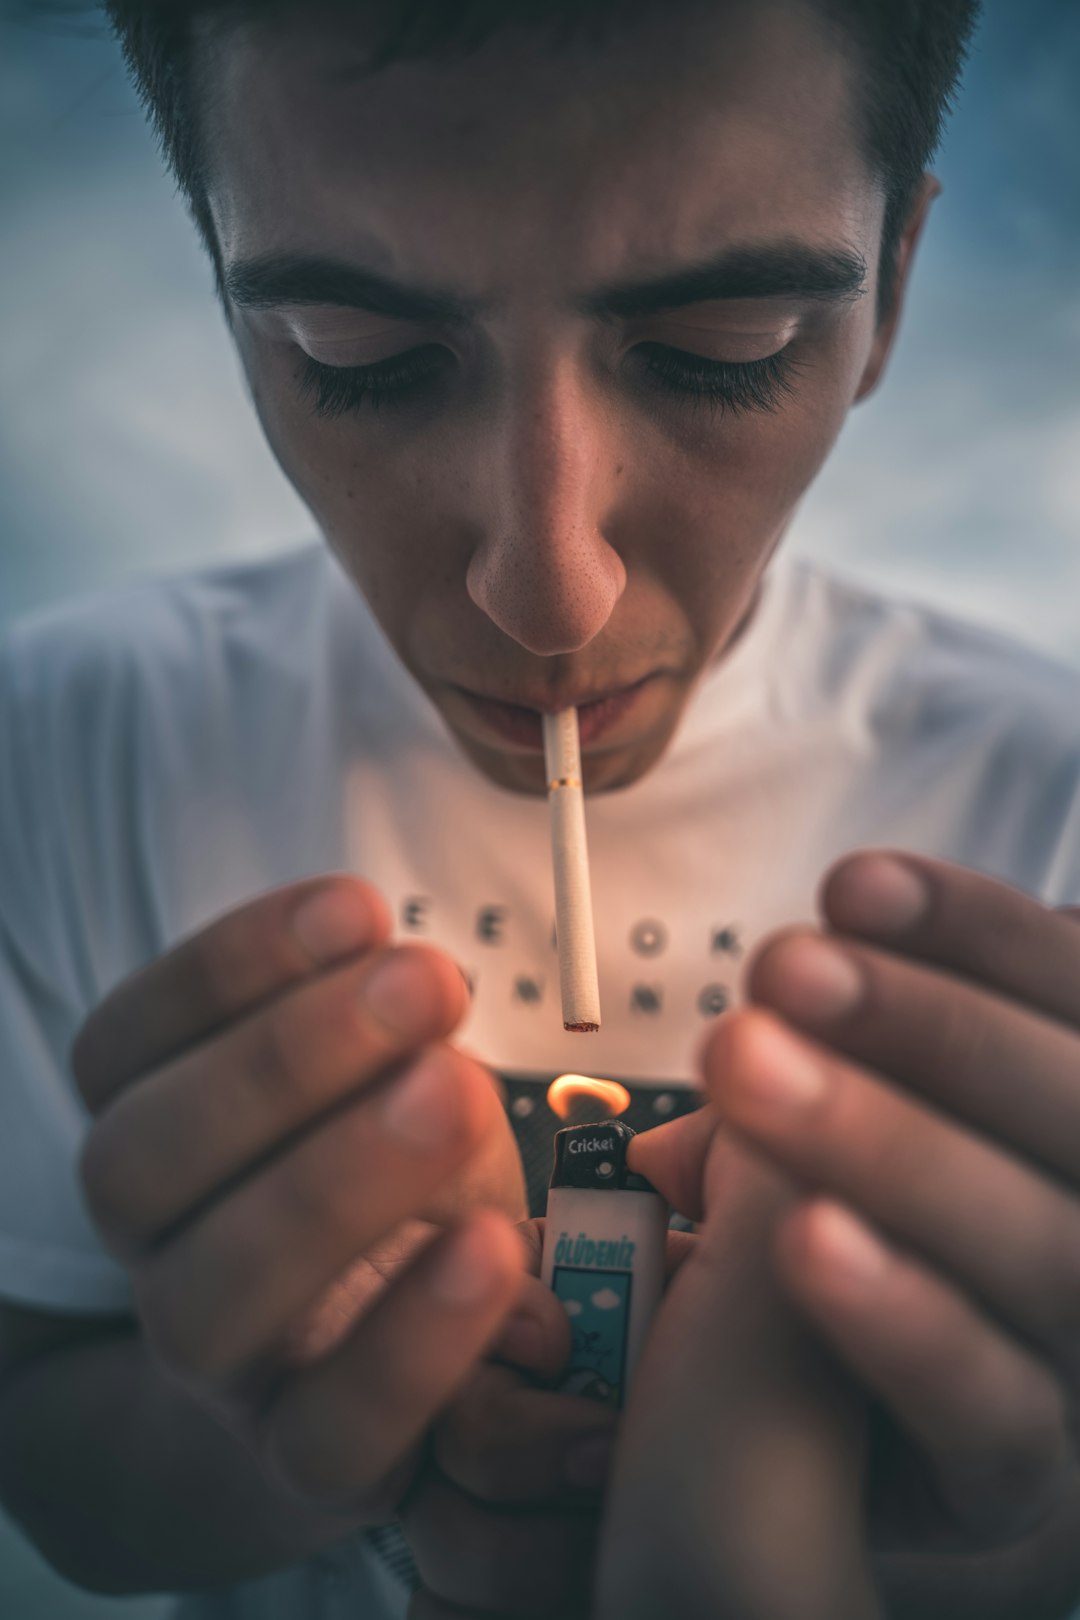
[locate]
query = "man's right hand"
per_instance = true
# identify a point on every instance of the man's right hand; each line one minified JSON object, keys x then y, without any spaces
{"x":279,"y":1128}
{"x":737,"y":1483}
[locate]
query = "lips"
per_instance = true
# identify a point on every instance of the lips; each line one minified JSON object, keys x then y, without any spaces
{"x":520,"y":722}
{"x":545,"y":703}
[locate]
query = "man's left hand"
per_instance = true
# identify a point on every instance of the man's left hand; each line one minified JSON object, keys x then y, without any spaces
{"x":915,"y":1067}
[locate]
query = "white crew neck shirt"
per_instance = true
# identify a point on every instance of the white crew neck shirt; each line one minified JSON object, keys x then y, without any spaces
{"x":173,"y":748}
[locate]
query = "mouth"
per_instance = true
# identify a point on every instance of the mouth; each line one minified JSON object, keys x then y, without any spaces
{"x":519,"y":723}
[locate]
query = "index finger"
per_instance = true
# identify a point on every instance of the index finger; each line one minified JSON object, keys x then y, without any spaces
{"x":225,"y":970}
{"x":963,"y":921}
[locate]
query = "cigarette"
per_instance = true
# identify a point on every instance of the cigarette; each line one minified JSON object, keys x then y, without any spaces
{"x":573,"y":900}
{"x":603,"y":1256}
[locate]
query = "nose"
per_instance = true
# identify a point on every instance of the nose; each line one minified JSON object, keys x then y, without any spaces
{"x":544,"y":571}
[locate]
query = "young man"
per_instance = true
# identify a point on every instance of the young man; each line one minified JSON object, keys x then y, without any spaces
{"x":551,"y":314}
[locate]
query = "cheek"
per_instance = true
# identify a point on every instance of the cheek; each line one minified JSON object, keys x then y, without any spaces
{"x":372,"y":492}
{"x":767,"y":462}
{"x":729,"y":487}
{"x":735,"y":483}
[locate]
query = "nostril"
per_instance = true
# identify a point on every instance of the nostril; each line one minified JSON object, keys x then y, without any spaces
{"x":550,"y":596}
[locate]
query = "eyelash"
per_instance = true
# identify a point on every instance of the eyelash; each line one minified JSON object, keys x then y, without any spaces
{"x":725,"y":386}
{"x":338,"y":390}
{"x":722,"y":385}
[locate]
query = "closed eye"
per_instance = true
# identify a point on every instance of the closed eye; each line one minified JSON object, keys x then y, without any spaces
{"x":338,"y":390}
{"x":723,"y":385}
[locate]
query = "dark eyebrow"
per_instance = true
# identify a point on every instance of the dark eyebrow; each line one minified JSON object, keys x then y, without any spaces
{"x":793,"y":269}
{"x":281,"y":279}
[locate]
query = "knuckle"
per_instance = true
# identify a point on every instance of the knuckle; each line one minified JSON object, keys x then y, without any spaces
{"x":962,"y":1037}
{"x":100,"y":1169}
{"x":274,"y":1061}
{"x":376,"y":905}
{"x":293,"y":1461}
{"x":220,"y":963}
{"x":87,"y":1064}
{"x":506,"y":1442}
{"x":854,"y":1117}
{"x":481,"y":1559}
{"x":95,"y":1174}
{"x":232,"y":963}
{"x":306,"y":1195}
{"x":470,"y":1105}
{"x":1019,"y":1478}
{"x":507,"y":1581}
{"x":475,"y":1464}
{"x":477,"y":1099}
{"x":301,"y":1050}
{"x":176,"y":1339}
{"x":726,"y":1050}
{"x":1061,"y":1297}
{"x":551,"y":1581}
{"x":487,"y":1576}
{"x":765,"y":970}
{"x":300,"y":1454}
{"x":323,"y":1193}
{"x":886,"y":1144}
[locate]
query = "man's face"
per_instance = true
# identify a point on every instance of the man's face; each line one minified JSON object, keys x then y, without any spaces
{"x":551,"y":342}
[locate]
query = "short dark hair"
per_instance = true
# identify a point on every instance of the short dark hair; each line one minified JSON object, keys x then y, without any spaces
{"x":911,"y":51}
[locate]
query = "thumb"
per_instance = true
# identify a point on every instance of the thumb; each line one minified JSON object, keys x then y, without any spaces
{"x":673,"y":1158}
{"x":740,"y":1449}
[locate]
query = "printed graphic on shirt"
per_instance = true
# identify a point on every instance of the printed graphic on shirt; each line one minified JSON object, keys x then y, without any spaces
{"x":492,"y":927}
{"x":598,"y":1305}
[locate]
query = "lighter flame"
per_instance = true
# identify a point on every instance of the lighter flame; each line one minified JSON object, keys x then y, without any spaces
{"x":609,"y":1096}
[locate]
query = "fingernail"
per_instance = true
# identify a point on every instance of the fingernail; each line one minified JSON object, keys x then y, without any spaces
{"x":820,"y":983}
{"x":331,"y":924}
{"x":422,"y":1109}
{"x":587,"y":1463}
{"x":778,"y":1070}
{"x":398,"y":994}
{"x":467,"y":1271}
{"x":849,"y":1245}
{"x":523,"y":1340}
{"x":889,"y":897}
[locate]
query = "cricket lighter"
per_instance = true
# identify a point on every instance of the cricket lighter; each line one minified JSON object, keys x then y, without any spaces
{"x":604,"y":1245}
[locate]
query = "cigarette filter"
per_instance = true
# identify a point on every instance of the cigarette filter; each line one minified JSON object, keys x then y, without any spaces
{"x":573,"y":897}
{"x":604,"y":1243}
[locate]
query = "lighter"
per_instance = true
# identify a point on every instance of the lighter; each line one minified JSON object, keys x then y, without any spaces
{"x":604,"y":1243}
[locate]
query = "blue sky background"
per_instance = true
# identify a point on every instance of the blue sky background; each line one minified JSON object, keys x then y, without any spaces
{"x":127,"y":443}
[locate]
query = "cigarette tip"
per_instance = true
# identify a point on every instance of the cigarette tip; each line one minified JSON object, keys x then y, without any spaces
{"x":581,"y":1029}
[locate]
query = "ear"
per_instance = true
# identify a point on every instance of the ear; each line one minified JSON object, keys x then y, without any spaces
{"x":887,"y":326}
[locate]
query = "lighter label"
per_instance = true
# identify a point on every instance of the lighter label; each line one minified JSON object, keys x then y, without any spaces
{"x":584,"y":1251}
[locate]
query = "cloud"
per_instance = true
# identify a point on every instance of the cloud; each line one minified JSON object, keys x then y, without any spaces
{"x":957,"y":484}
{"x":573,"y":1307}
{"x":128,"y":440}
{"x":606,"y":1299}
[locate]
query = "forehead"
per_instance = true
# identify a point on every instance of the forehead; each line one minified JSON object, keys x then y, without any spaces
{"x":673,"y":136}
